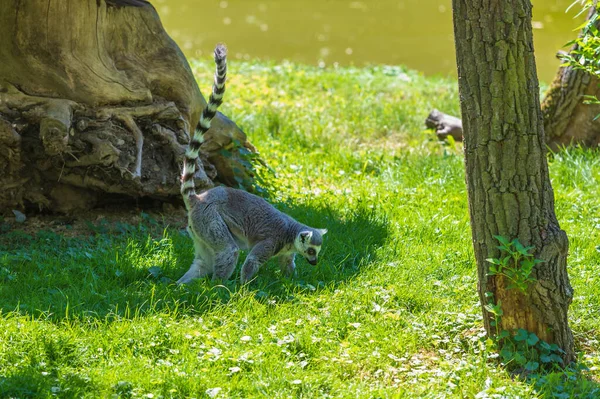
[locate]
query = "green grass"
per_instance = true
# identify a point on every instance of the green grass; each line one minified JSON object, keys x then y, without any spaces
{"x":390,"y":311}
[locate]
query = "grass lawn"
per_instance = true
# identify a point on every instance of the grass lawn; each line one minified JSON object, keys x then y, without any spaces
{"x":390,"y":311}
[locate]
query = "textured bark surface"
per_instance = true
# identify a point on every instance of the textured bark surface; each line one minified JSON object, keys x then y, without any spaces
{"x":567,"y":120}
{"x":96,"y":99}
{"x":506,"y":171}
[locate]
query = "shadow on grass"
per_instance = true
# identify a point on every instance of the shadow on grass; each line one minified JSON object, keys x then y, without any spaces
{"x":573,"y":381}
{"x":33,"y":382}
{"x":131,"y":273}
{"x":27,"y":383}
{"x":349,"y":246}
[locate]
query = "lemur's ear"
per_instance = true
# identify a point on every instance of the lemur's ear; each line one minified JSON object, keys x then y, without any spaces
{"x":323,"y":231}
{"x":305,"y":236}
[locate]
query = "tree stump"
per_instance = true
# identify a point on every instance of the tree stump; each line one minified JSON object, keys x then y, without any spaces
{"x":97,"y":102}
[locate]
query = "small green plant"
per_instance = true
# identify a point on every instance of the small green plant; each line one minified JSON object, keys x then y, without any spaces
{"x":252,"y":164}
{"x":495,"y":309}
{"x":521,"y":349}
{"x":516,"y":264}
{"x":525,"y":351}
{"x":584,"y":55}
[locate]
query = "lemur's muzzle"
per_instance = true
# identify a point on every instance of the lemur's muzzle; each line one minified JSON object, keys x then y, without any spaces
{"x":312,"y":261}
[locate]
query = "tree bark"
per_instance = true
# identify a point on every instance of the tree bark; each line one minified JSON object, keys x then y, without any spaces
{"x":96,"y":99}
{"x":507,"y":177}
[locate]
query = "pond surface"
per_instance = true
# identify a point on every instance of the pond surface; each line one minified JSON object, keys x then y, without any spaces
{"x":416,"y":33}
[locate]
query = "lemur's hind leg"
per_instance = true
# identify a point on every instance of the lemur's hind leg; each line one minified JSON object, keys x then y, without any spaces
{"x":214,"y":233}
{"x":262,"y":252}
{"x":203,"y":261}
{"x":225,"y":262}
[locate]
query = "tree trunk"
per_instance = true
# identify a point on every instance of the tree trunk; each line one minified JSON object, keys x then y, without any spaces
{"x":507,"y":178}
{"x":567,"y":120}
{"x":96,"y":99}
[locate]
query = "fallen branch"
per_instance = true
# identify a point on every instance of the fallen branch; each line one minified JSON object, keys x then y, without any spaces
{"x":445,"y":125}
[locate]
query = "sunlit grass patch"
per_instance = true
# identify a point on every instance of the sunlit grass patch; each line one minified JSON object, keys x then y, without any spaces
{"x":390,"y":311}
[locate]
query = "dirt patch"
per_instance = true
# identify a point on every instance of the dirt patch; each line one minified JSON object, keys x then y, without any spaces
{"x":114,"y":218}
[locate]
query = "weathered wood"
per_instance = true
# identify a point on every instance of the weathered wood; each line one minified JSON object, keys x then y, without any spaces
{"x":10,"y":162}
{"x":507,"y":177}
{"x":103,"y":100}
{"x":134,"y":3}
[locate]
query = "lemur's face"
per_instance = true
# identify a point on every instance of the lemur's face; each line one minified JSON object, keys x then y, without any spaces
{"x":308,"y":244}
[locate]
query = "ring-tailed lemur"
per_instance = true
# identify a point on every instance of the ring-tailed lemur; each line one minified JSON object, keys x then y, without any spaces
{"x":223,"y":220}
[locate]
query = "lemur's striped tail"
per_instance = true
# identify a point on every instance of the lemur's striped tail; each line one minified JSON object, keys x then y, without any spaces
{"x":188,"y":188}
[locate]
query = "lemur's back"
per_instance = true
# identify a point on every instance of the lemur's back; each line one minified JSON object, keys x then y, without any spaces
{"x":246,"y":215}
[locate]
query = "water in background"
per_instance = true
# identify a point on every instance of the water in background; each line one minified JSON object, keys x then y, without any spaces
{"x":416,"y":33}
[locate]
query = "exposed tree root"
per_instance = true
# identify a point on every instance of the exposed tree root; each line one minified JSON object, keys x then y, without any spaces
{"x":122,"y":150}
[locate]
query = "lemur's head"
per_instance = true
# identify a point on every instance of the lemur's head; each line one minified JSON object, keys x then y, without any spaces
{"x":308,"y":244}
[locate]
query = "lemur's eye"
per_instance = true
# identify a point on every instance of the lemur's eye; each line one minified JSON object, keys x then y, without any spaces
{"x":311,"y":251}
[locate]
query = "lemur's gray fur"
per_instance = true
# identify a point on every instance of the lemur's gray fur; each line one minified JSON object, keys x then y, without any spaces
{"x":223,"y":220}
